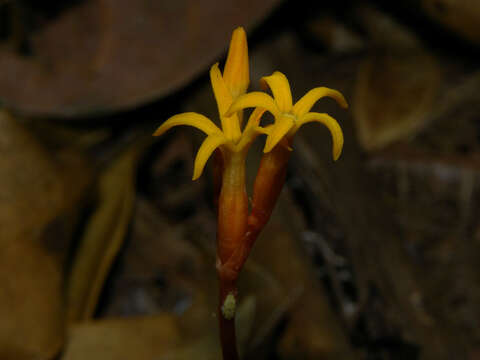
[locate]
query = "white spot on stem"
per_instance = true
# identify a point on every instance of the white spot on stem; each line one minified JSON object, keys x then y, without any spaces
{"x":228,"y":307}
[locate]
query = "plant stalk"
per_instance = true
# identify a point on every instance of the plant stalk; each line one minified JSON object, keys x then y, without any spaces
{"x":232,"y":225}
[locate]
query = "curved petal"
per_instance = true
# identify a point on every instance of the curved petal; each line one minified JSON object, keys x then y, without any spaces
{"x":267,"y":130}
{"x":278,"y":83}
{"x":254,"y":118}
{"x":249,"y":135}
{"x":236,"y":71}
{"x":279,"y":130}
{"x":222,"y":94}
{"x":230,"y":125}
{"x":191,"y":119}
{"x":206,"y":149}
{"x":304,"y":105}
{"x":331,"y":124}
{"x":254,"y":99}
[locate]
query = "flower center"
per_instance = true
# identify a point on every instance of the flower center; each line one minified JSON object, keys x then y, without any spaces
{"x":291,"y":116}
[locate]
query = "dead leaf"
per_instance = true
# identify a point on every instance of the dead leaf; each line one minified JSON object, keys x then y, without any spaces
{"x":147,"y":338}
{"x":103,"y":55}
{"x":394,"y":95}
{"x":103,"y":236}
{"x":462,"y":16}
{"x":396,"y":85}
{"x":36,"y":191}
{"x":141,"y":338}
{"x":208,"y":346}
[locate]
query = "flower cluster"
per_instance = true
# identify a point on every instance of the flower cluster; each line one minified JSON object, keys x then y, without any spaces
{"x":230,"y":93}
{"x":239,"y":226}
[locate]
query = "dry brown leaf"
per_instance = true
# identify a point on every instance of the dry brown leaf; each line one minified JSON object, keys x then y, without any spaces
{"x":462,"y":16}
{"x":147,"y":338}
{"x":36,"y":191}
{"x":394,"y":94}
{"x":208,"y":346}
{"x":104,"y":55}
{"x":396,"y":85}
{"x":144,"y":338}
{"x":103,"y":236}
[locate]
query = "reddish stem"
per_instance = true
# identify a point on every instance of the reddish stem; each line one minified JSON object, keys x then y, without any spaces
{"x":232,"y":226}
{"x":266,"y":190}
{"x":238,"y":230}
{"x":227,"y":326}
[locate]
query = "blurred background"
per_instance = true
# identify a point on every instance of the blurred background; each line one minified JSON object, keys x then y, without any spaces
{"x":107,"y":247}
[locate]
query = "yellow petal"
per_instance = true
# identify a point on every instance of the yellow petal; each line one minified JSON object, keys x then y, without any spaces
{"x":331,"y":124}
{"x":278,"y":83}
{"x":267,"y":130}
{"x":236,"y":71}
{"x":249,"y":135}
{"x":208,"y":147}
{"x":254,"y":99}
{"x":310,"y":98}
{"x":191,"y":119}
{"x":230,"y":125}
{"x":222,"y":94}
{"x":252,"y":130}
{"x":279,"y":130}
{"x":254,"y":118}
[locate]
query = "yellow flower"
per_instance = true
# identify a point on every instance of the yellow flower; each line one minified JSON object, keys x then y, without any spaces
{"x":227,"y":87}
{"x":288,"y":117}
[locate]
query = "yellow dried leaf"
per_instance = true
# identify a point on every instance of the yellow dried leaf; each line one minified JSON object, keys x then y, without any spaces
{"x":37,"y":190}
{"x":394,"y":96}
{"x":103,"y":236}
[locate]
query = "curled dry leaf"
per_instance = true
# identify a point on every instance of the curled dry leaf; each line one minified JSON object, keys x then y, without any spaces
{"x":103,"y":236}
{"x":37,"y":191}
{"x":394,"y":95}
{"x":104,"y":55}
{"x":396,"y":85}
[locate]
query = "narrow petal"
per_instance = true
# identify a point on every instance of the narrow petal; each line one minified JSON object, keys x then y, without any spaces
{"x":254,"y":118}
{"x":206,"y":149}
{"x":254,"y":99}
{"x":304,"y":105}
{"x":230,"y":125}
{"x":249,"y":135}
{"x":191,"y":119}
{"x":236,"y":71}
{"x":279,"y":130}
{"x":267,"y":130}
{"x":252,"y":130}
{"x":278,"y":83}
{"x":222,"y":94}
{"x":331,"y":124}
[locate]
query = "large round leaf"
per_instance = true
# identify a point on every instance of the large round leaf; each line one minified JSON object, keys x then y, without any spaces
{"x":102,"y":55}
